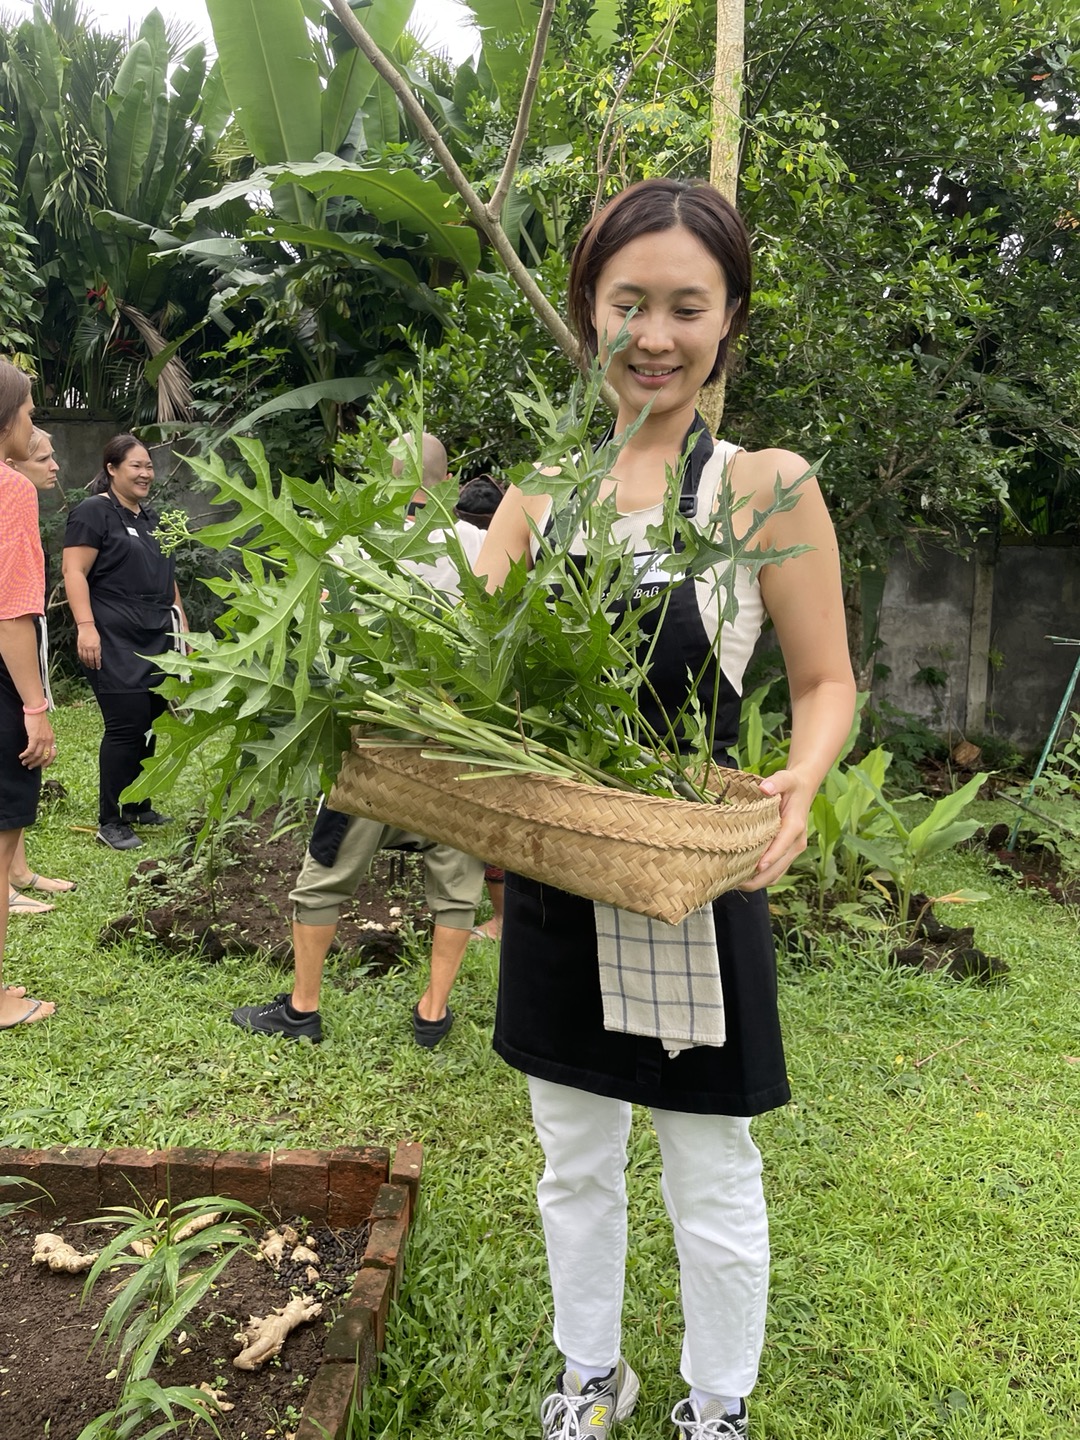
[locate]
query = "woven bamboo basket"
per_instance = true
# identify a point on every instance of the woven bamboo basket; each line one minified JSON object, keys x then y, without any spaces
{"x":662,"y":858}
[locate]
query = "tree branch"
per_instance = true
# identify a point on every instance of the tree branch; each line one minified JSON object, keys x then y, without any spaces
{"x":755,"y":109}
{"x":603,"y":163}
{"x":521,"y":127}
{"x":488,"y":224}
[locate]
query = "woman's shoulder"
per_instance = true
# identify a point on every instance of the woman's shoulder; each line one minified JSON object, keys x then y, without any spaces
{"x":90,"y":504}
{"x":93,"y":511}
{"x":773,"y":462}
{"x":12,"y":477}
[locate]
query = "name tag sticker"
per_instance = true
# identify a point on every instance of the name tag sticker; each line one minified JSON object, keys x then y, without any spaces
{"x":132,"y":531}
{"x":656,"y":578}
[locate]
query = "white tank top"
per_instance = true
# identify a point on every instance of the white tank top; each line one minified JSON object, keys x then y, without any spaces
{"x":737,"y":639}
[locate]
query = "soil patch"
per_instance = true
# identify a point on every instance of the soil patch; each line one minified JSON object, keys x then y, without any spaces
{"x":245,"y":907}
{"x":1036,"y":867}
{"x":933,"y":945}
{"x":52,"y":1386}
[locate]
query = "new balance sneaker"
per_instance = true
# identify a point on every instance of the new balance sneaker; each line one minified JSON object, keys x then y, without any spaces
{"x":712,"y":1422}
{"x":588,"y":1412}
{"x":279,"y":1018}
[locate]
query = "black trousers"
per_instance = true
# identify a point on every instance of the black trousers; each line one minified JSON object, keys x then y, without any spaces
{"x":127,"y":742}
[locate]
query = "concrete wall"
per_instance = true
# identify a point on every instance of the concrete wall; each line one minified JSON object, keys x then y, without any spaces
{"x":982,"y":622}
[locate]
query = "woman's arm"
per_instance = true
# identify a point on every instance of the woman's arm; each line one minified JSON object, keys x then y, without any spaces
{"x":180,"y":606}
{"x":804,"y":598}
{"x":509,"y":534}
{"x":78,"y":561}
{"x":19,"y":648}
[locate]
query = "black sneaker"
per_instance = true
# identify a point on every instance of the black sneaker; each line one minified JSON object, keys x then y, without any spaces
{"x":146,"y":817}
{"x":118,"y":835}
{"x":279,"y":1018}
{"x":428,"y":1033}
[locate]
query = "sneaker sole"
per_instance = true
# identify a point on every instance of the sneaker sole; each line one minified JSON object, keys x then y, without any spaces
{"x":629,"y":1396}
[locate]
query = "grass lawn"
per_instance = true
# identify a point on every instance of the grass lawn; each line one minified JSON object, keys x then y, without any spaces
{"x":923,"y":1183}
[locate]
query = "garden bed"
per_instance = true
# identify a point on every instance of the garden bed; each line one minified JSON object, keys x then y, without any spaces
{"x":355,"y":1204}
{"x":1035,"y":866}
{"x":55,"y":1384}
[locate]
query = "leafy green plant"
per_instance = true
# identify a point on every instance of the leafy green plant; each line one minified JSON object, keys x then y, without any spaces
{"x":10,"y":1182}
{"x":901,"y":849}
{"x":1054,"y":822}
{"x":845,"y":810}
{"x":150,"y":1306}
{"x":333,"y":624}
{"x":140,"y":1402}
{"x":764,"y":739}
{"x":908,"y":739}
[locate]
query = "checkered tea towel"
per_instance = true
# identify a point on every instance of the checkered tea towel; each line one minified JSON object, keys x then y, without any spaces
{"x":661,"y":980}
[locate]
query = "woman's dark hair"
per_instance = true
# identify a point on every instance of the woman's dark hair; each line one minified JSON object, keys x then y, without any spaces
{"x":14,"y":388}
{"x":477,"y":501}
{"x":643,"y":209}
{"x":114,"y":453}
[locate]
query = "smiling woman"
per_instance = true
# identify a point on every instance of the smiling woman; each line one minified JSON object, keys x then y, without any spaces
{"x":664,"y":269}
{"x":123,"y":596}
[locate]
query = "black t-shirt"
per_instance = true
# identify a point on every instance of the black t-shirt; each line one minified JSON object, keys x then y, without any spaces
{"x":132,"y":590}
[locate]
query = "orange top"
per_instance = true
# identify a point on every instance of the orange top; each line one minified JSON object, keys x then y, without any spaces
{"x":22,"y":560}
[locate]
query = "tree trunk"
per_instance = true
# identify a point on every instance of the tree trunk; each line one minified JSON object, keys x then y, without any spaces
{"x":726,"y":124}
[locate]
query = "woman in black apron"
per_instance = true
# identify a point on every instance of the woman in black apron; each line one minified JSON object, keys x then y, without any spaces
{"x":123,"y":595}
{"x":672,"y":262}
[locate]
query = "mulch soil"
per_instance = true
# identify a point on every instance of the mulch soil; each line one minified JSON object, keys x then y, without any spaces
{"x":246,"y":909}
{"x":51,"y":1385}
{"x":1035,"y":867}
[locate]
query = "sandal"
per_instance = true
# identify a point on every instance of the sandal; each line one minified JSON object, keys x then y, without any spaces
{"x":46,"y":884}
{"x":28,"y":1017}
{"x":26,"y":905}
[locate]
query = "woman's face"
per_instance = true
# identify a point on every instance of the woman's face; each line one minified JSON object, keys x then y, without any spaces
{"x":41,"y":467}
{"x":130,"y":481}
{"x":682,"y":315}
{"x":16,"y":440}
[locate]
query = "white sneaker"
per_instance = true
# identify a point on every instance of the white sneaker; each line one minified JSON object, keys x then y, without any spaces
{"x":588,"y":1412}
{"x":712,"y":1422}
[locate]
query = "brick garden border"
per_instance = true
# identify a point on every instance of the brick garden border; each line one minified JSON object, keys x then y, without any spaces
{"x":343,"y":1187}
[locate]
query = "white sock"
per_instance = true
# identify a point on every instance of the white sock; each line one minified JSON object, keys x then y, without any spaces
{"x":585,"y":1373}
{"x":701,"y":1398}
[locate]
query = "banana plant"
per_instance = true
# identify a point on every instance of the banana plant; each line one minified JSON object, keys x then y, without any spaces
{"x":112,"y":138}
{"x":901,"y":849}
{"x":845,"y":810}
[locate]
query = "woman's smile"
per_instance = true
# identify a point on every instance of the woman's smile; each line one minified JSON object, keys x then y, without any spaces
{"x":669,"y":295}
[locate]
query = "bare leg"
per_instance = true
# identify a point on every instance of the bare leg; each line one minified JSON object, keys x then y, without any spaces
{"x":22,"y":875}
{"x":311,"y":945}
{"x":493,"y":928}
{"x":12,"y":1002}
{"x":448,"y":947}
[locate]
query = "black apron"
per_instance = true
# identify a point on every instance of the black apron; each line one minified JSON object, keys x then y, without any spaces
{"x":549,"y":1016}
{"x":132,"y":591}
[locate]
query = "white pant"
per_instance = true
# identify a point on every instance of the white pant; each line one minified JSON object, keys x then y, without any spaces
{"x":711,"y":1185}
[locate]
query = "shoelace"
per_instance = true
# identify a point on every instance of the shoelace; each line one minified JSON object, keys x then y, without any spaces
{"x":564,"y":1412}
{"x":719,"y":1427}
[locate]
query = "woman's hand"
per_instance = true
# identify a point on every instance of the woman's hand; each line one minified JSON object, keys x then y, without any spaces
{"x":41,"y":742}
{"x":796,"y":796}
{"x":89,"y":647}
